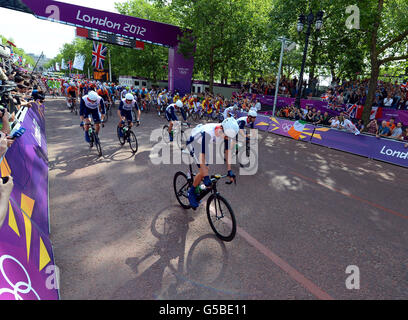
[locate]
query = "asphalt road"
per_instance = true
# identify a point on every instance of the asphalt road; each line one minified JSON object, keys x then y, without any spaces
{"x":310,"y":212}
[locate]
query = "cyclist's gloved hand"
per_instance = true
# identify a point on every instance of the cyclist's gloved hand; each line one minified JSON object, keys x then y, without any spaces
{"x":207,"y":181}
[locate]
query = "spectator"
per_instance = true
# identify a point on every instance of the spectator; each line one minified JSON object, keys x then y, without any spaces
{"x":360,"y":125}
{"x":318,"y":118}
{"x":5,"y":191}
{"x":347,"y":125}
{"x":391,"y":124}
{"x":397,"y":132}
{"x":334,"y":122}
{"x":325,"y":119}
{"x":383,"y":130}
{"x":388,"y":101}
{"x":372,"y":127}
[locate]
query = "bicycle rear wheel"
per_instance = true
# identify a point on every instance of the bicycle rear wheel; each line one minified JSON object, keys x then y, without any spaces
{"x":221,"y":218}
{"x":181,"y":186}
{"x":133,"y":141}
{"x":121,"y":135}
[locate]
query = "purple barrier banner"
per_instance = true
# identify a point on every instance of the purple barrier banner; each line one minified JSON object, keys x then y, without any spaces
{"x":279,"y":126}
{"x":364,"y":145}
{"x":368,"y":146}
{"x":27,"y":161}
{"x":27,"y":269}
{"x":343,"y":141}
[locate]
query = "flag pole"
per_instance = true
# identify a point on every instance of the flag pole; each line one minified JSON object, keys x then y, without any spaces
{"x":37,"y":62}
{"x":110,"y":67}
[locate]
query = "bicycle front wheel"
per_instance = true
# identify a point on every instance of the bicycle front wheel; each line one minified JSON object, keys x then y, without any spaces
{"x":133,"y":142}
{"x":98,"y":145}
{"x":181,"y":186}
{"x":221,"y":217}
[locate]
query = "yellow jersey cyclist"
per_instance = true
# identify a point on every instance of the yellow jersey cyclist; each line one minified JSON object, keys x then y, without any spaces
{"x":202,"y":137}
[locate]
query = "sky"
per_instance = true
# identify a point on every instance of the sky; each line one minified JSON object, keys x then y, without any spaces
{"x":34,"y":35}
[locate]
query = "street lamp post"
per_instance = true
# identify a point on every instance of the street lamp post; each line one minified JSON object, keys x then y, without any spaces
{"x":284,"y":42}
{"x":301,"y":22}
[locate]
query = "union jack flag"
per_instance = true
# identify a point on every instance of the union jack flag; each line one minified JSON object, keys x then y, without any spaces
{"x":351,"y":110}
{"x":98,"y":55}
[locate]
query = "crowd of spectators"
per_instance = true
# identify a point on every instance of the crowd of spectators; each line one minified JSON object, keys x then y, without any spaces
{"x":385,"y":129}
{"x":387,"y":95}
{"x":18,"y":89}
{"x":287,"y":87}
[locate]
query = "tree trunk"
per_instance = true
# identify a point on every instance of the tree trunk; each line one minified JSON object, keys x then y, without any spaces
{"x":212,"y":67}
{"x":372,"y":88}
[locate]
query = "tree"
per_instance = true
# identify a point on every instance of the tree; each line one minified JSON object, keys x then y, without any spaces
{"x":385,"y":23}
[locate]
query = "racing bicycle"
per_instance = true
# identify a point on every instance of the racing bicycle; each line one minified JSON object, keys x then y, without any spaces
{"x":126,"y":134}
{"x":94,"y":138}
{"x":179,"y":133}
{"x":219,"y":212}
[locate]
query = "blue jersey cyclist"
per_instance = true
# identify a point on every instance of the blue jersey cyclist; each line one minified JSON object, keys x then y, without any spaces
{"x":171,"y":115}
{"x":91,"y":105}
{"x":201,"y":137}
{"x":125,"y":111}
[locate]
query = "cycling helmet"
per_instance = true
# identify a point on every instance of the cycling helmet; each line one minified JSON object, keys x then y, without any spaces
{"x":231,"y":127}
{"x":72,"y":84}
{"x":129,"y":97}
{"x":92,"y":95}
{"x":179,"y":104}
{"x":252,"y":113}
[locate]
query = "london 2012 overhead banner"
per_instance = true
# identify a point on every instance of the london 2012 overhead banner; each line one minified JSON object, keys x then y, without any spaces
{"x":180,"y":68}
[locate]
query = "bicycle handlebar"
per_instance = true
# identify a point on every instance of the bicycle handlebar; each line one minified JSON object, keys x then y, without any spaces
{"x":217,"y":177}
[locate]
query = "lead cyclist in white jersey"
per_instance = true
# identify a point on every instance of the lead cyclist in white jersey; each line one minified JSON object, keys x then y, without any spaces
{"x":200,"y":140}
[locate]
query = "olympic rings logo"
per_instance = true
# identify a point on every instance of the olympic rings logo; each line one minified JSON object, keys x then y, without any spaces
{"x":20,"y":287}
{"x":286,"y":127}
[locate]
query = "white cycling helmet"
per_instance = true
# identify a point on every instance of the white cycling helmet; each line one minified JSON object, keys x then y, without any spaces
{"x":92,"y":95}
{"x":72,"y":84}
{"x":179,"y":104}
{"x":231,"y":127}
{"x":252,"y":113}
{"x":129,"y":97}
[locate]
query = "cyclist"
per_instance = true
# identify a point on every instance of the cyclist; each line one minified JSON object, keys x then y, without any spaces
{"x":91,"y":104}
{"x":248,"y":120}
{"x":72,"y":93}
{"x":202,"y":136}
{"x":161,"y":100}
{"x":230,"y":111}
{"x":104,"y":94}
{"x":125,"y":112}
{"x":171,"y":115}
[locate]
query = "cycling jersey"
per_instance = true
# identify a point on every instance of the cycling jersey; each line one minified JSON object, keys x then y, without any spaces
{"x":128,"y":106}
{"x":88,"y":108}
{"x":201,"y":137}
{"x":72,"y":91}
{"x":243,"y":121}
{"x":104,"y":94}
